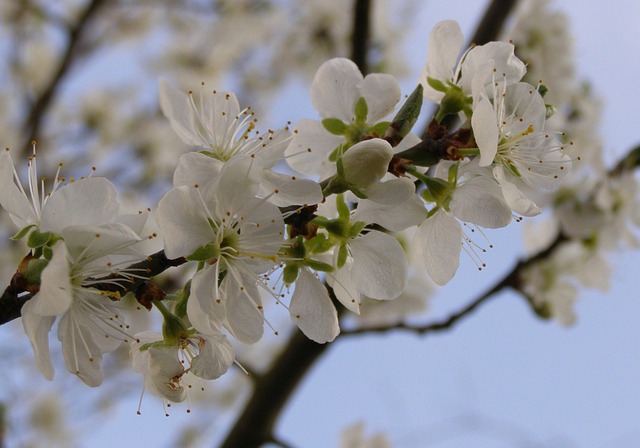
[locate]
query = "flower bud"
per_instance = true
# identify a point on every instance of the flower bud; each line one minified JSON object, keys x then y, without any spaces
{"x":365,"y":163}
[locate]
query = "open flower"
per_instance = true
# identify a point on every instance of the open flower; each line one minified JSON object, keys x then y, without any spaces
{"x":235,"y":235}
{"x":163,"y":364}
{"x":351,"y":106}
{"x":223,"y":131}
{"x":88,"y":201}
{"x":90,"y":318}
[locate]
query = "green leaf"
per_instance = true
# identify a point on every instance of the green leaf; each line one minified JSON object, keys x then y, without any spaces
{"x":334,"y":126}
{"x":361,"y":110}
{"x":408,"y":114}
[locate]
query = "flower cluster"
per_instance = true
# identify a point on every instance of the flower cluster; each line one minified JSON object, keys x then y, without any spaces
{"x":307,"y":218}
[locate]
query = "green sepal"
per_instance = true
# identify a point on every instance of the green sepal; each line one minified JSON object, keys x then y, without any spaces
{"x":426,"y":195}
{"x":318,"y":266}
{"x":39,"y":239}
{"x":318,"y":244}
{"x":342,"y":207}
{"x":453,"y":102}
{"x":356,"y":228}
{"x":441,"y":190}
{"x":181,"y":307}
{"x":550,"y":111}
{"x":408,"y":114}
{"x":290,"y":273}
{"x":34,"y":270}
{"x":453,"y":173}
{"x":21,"y":234}
{"x":173,"y":329}
{"x":46,"y":252}
{"x":380,"y":128}
{"x":542,"y":90}
{"x":334,"y":126}
{"x":335,"y":185}
{"x":512,"y":169}
{"x":361,"y":110}
{"x":436,"y":84}
{"x":359,"y":193}
{"x":343,"y":253}
{"x":336,"y":153}
{"x":209,"y":251}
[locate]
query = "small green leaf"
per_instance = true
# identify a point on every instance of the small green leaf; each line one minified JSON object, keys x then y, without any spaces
{"x":21,"y":234}
{"x":342,"y":207}
{"x":334,"y":126}
{"x":318,"y":244}
{"x":408,"y":114}
{"x":436,"y":84}
{"x":38,"y":239}
{"x":380,"y":128}
{"x":361,"y":110}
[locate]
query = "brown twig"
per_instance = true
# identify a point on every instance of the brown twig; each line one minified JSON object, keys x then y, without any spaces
{"x":42,"y":103}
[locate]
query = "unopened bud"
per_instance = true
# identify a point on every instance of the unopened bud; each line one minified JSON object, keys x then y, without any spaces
{"x":366,"y":162}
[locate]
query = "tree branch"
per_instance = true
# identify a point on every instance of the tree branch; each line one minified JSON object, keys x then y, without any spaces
{"x":40,"y":106}
{"x":15,"y":295}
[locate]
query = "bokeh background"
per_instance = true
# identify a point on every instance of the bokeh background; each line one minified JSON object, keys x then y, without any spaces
{"x":500,"y":378}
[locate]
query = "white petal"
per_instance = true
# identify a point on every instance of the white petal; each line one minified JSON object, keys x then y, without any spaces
{"x":90,"y":201}
{"x":237,"y":183}
{"x":220,"y":110}
{"x":309,"y":150}
{"x":215,"y":357}
{"x":394,"y":217}
{"x":37,"y":329}
{"x":514,"y":197}
{"x":195,"y":168}
{"x":88,"y":243}
{"x":382,"y":93}
{"x":336,"y":88}
{"x":290,"y":189}
{"x":55,"y":295}
{"x":379,"y":265}
{"x":445,"y":42}
{"x":479,"y":201}
{"x":439,"y":241}
{"x":11,"y":198}
{"x":81,"y":354}
{"x":393,"y":191}
{"x":183,"y":222}
{"x":176,"y":106}
{"x":485,"y":130}
{"x":243,"y":302}
{"x":164,"y":374}
{"x":204,"y":311}
{"x":311,"y":309}
{"x":344,"y":287}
